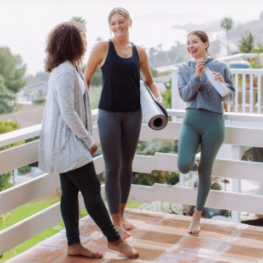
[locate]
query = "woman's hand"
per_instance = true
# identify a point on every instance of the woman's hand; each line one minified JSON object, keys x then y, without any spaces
{"x":160,"y":100}
{"x":93,"y":149}
{"x":199,"y":69}
{"x":219,"y":77}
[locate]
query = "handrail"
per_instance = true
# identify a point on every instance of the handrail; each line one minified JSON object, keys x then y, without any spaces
{"x":27,"y":133}
{"x":33,"y":131}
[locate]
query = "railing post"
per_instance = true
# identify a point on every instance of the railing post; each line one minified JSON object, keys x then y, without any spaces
{"x":236,"y":188}
{"x":177,"y":102}
{"x":182,"y":183}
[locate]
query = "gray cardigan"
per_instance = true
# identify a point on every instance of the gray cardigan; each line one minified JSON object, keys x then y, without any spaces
{"x":66,"y":133}
{"x":198,"y":92}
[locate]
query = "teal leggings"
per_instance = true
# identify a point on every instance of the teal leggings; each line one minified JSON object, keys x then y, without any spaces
{"x":208,"y":129}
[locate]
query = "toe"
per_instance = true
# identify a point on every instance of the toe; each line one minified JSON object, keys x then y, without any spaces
{"x":127,"y":226}
{"x":135,"y":254}
{"x":127,"y":235}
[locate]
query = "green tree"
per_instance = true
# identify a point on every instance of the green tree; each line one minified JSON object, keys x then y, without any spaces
{"x":80,"y":20}
{"x":96,"y":78}
{"x":167,"y":97}
{"x":12,"y":70}
{"x":227,"y":24}
{"x":99,"y":39}
{"x":246,"y":44}
{"x":7,"y":98}
{"x":259,"y":49}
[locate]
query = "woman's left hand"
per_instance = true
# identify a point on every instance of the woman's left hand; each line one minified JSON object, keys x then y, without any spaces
{"x":160,"y":102}
{"x":219,"y":77}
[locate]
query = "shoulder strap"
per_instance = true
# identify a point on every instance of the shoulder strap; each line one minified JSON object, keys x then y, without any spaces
{"x":135,"y":53}
{"x":112,"y":48}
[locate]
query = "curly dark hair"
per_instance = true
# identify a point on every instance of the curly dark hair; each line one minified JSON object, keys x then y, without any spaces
{"x":67,"y":41}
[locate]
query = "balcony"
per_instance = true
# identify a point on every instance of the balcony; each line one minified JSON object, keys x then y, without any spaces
{"x":159,"y":237}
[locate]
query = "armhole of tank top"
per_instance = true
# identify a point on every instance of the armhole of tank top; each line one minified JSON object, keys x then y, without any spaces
{"x":135,"y":52}
{"x":108,"y":55}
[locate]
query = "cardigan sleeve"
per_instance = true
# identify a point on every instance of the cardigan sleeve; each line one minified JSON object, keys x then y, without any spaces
{"x":65,"y":96}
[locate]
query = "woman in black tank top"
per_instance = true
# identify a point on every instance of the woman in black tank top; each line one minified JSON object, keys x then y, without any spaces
{"x":119,"y":120}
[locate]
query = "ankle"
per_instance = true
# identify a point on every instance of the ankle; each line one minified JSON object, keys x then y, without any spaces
{"x":119,"y":241}
{"x":75,"y":246}
{"x":197,"y":214}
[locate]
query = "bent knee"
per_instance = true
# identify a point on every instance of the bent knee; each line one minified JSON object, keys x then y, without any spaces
{"x":184,"y":168}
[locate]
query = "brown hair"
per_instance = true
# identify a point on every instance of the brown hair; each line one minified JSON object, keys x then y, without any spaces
{"x":67,"y":41}
{"x":119,"y":10}
{"x":203,"y":36}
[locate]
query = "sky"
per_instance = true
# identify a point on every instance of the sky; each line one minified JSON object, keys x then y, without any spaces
{"x":25,"y":24}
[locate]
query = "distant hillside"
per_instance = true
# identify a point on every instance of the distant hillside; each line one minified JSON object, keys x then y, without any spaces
{"x":178,"y":53}
{"x":207,"y":27}
{"x":256,"y":27}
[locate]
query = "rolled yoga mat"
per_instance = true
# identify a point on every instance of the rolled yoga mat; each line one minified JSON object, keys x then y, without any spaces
{"x":154,"y":113}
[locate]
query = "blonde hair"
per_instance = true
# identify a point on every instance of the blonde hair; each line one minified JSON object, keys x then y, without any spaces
{"x":203,"y":36}
{"x":119,"y":10}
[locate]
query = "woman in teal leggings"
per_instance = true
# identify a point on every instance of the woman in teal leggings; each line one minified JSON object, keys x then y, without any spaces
{"x":204,"y":120}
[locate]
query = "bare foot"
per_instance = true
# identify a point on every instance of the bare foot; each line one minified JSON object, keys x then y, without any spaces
{"x":123,"y":233}
{"x":126,"y":224}
{"x":79,"y":250}
{"x":194,"y":227}
{"x":124,"y":248}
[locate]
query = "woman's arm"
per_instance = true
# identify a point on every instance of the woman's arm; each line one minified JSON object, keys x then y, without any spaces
{"x":147,"y":75}
{"x":97,"y":57}
{"x":65,"y":96}
{"x":188,"y":90}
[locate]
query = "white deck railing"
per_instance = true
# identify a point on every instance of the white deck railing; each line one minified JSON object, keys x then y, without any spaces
{"x":28,"y":153}
{"x":248,"y":84}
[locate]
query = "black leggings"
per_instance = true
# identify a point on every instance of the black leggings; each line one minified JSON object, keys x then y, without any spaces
{"x":85,"y":180}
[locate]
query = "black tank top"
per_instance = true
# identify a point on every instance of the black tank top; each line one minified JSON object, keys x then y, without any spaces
{"x":121,"y":82}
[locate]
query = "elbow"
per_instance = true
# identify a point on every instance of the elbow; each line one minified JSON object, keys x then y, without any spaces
{"x":185,"y":98}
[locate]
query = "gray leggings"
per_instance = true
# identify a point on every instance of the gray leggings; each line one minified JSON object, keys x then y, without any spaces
{"x":208,"y":129}
{"x":119,"y":134}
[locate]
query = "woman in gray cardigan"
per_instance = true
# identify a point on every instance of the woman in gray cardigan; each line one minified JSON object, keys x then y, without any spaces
{"x":66,"y":143}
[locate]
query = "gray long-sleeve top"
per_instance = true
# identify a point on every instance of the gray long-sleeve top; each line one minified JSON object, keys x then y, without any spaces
{"x":66,"y":132}
{"x":198,"y":92}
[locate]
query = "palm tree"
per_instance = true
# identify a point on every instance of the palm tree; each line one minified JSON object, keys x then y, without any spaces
{"x":246,"y":44}
{"x":227,"y":24}
{"x":80,"y":20}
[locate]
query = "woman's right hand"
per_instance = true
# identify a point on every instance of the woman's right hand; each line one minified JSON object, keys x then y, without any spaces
{"x":199,"y":69}
{"x":93,"y":149}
